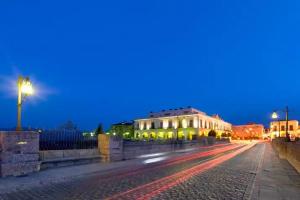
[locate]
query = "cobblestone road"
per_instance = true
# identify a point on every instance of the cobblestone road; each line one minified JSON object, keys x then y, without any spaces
{"x":229,"y":180}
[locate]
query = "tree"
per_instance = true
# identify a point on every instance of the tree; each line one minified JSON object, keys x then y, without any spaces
{"x":99,"y":130}
{"x":212,"y":133}
{"x":224,"y":135}
{"x":69,"y":126}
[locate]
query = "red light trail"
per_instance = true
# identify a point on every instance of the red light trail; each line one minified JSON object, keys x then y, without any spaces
{"x":147,"y":191}
{"x":177,"y":160}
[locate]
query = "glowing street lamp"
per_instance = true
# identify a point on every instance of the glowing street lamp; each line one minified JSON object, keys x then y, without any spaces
{"x":275,"y":115}
{"x":24,"y":89}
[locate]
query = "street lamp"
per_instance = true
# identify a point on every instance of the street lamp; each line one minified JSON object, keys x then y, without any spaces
{"x":275,"y":116}
{"x":24,"y":89}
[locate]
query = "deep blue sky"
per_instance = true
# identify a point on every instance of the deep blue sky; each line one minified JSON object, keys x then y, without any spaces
{"x":109,"y":61}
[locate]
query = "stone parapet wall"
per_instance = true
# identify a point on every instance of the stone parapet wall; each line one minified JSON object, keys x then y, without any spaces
{"x":19,"y":153}
{"x":288,"y":150}
{"x":115,"y":149}
{"x":53,"y":155}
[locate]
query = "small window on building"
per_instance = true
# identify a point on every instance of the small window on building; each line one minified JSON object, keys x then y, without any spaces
{"x":180,"y":124}
{"x":282,"y":128}
{"x":161,"y":124}
{"x":145,"y":125}
{"x":170,"y":123}
{"x":275,"y":128}
{"x":291,"y":127}
{"x":167,"y":114}
{"x":152,"y":125}
{"x":191,"y":123}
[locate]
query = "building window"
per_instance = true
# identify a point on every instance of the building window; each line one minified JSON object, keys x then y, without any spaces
{"x":282,"y":128}
{"x":161,"y":124}
{"x":152,"y":125}
{"x":137,"y":125}
{"x":191,"y":123}
{"x":170,"y":123}
{"x":145,"y":125}
{"x":200,"y":125}
{"x":180,"y":124}
{"x":291,"y":127}
{"x":205,"y":124}
{"x":275,"y":128}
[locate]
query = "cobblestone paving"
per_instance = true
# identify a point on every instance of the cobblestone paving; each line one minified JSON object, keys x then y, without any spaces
{"x":228,"y":181}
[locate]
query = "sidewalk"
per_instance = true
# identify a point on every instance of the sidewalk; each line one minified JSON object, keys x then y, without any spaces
{"x":275,"y":178}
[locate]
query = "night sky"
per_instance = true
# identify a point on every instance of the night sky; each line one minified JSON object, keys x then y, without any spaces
{"x":110,"y":61}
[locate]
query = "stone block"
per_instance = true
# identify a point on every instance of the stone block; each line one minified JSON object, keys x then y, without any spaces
{"x":110,"y":148}
{"x":19,"y":153}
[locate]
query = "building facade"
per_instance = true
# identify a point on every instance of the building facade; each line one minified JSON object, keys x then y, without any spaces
{"x":278,"y":128}
{"x":249,"y":131}
{"x":182,"y":123}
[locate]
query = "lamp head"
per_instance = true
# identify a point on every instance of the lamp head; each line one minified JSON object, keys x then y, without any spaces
{"x":275,"y":115}
{"x":26,"y":87}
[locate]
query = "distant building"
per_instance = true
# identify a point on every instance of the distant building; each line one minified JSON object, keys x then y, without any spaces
{"x":278,"y":128}
{"x":181,"y":123}
{"x":123,"y":129}
{"x":249,"y":131}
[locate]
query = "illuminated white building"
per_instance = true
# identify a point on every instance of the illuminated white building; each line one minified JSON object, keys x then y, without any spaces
{"x":278,"y":128}
{"x":182,"y":123}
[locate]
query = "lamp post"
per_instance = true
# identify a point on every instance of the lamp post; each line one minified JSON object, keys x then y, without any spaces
{"x":24,"y":89}
{"x":276,"y":116}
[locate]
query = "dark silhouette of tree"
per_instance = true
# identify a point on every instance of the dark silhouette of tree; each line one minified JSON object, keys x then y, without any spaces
{"x":99,"y":130}
{"x":69,"y":126}
{"x":212,"y":133}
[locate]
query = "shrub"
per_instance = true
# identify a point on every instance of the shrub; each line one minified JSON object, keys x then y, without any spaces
{"x":212,"y":133}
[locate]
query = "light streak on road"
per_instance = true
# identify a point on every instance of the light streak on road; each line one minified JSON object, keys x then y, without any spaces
{"x":149,"y":190}
{"x":177,"y":160}
{"x":154,"y":160}
{"x":152,"y":155}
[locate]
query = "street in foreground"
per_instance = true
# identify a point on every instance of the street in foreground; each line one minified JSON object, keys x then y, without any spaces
{"x":234,"y":171}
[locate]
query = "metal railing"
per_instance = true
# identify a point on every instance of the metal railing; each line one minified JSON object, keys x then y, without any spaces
{"x":62,"y":140}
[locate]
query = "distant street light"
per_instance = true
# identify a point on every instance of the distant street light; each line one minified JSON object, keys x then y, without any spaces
{"x":24,"y":89}
{"x":275,"y":116}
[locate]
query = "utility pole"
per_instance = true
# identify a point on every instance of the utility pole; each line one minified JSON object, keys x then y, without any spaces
{"x":287,"y":123}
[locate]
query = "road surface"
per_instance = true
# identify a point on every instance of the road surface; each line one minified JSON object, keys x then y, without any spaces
{"x":225,"y":172}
